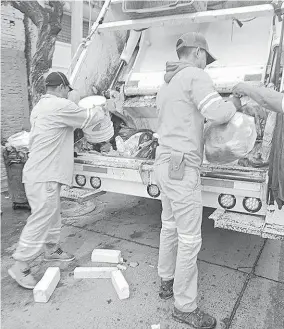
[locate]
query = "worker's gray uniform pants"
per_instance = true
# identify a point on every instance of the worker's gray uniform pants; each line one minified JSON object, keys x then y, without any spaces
{"x":44,"y":224}
{"x":180,"y":239}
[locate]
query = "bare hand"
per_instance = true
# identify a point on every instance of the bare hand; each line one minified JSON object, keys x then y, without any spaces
{"x":240,"y":89}
{"x":236,"y":101}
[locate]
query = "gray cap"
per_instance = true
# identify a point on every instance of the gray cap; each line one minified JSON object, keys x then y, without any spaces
{"x":196,"y":40}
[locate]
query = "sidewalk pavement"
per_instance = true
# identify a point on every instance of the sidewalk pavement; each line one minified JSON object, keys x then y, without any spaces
{"x":241,"y":279}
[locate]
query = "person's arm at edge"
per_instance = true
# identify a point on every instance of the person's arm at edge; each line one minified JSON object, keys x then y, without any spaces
{"x":265,"y":97}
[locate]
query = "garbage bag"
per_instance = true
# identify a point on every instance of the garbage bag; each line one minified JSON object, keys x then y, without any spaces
{"x":148,"y":150}
{"x":259,"y":113}
{"x":19,"y":141}
{"x":231,"y":141}
{"x":130,"y":146}
{"x":140,"y":141}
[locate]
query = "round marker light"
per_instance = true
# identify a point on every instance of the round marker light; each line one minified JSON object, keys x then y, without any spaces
{"x":80,"y":180}
{"x":153,"y":190}
{"x":95,"y":182}
{"x":227,"y":201}
{"x":252,"y":204}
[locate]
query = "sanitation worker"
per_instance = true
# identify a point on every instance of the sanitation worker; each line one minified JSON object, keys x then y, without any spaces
{"x":185,"y":100}
{"x":49,"y":166}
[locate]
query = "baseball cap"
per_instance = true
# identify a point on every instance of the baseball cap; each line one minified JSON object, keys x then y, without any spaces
{"x":196,"y":40}
{"x":56,"y":79}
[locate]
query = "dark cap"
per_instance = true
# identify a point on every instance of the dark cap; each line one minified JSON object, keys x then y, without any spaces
{"x":56,"y":79}
{"x":196,"y":40}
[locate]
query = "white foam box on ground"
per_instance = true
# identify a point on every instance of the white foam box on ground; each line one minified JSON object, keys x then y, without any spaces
{"x":120,"y":284}
{"x":106,"y":256}
{"x":45,"y":287}
{"x":93,"y":272}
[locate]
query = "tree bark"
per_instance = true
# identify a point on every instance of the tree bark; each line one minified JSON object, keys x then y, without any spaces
{"x":48,"y":22}
{"x":28,"y":56}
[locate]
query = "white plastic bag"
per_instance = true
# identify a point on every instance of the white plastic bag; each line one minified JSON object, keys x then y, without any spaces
{"x":229,"y":142}
{"x":19,"y":141}
{"x":130,"y":146}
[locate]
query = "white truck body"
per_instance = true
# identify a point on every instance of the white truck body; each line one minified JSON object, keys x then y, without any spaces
{"x":244,"y":54}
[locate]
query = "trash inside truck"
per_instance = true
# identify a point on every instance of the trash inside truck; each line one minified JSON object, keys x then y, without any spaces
{"x":121,"y":65}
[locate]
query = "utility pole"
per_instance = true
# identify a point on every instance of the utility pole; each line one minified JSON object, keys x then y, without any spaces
{"x":76,"y":24}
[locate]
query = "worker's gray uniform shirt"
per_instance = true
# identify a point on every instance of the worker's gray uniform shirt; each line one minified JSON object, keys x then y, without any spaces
{"x":51,"y":147}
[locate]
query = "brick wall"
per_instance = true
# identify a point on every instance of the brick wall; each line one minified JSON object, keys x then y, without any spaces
{"x":14,"y":107}
{"x":14,"y":100}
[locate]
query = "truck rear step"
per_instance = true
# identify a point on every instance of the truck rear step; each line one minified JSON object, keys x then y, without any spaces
{"x":247,"y":223}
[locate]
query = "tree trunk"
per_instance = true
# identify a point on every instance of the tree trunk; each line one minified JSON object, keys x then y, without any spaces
{"x":48,"y":22}
{"x":28,"y":56}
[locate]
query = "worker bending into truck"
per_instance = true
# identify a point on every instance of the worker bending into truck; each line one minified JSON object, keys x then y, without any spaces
{"x":49,"y":166}
{"x":184,"y":102}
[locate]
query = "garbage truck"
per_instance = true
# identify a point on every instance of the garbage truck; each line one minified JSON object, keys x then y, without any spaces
{"x":124,"y":58}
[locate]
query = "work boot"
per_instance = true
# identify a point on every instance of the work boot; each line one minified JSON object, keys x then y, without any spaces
{"x":197,"y":319}
{"x":166,"y":289}
{"x":23,"y":276}
{"x":57,"y":254}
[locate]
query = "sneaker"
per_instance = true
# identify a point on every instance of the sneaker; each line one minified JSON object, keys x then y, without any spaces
{"x":197,"y":319}
{"x":166,"y":289}
{"x":23,"y":277}
{"x":58,"y":254}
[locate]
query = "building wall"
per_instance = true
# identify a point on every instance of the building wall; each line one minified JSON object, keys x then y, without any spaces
{"x":14,"y":98}
{"x":62,"y":54}
{"x":65,"y":33}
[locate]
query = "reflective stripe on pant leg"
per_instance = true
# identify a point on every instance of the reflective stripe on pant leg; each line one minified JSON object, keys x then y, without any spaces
{"x":168,"y":235}
{"x":53,"y":236}
{"x":186,"y":205}
{"x":168,"y":242}
{"x":35,"y":231}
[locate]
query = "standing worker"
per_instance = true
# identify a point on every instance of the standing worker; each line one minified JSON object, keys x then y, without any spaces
{"x":185,"y":100}
{"x":49,"y":166}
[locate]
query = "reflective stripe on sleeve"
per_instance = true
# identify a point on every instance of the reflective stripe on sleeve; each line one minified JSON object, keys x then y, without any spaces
{"x":207,"y":98}
{"x":209,"y":103}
